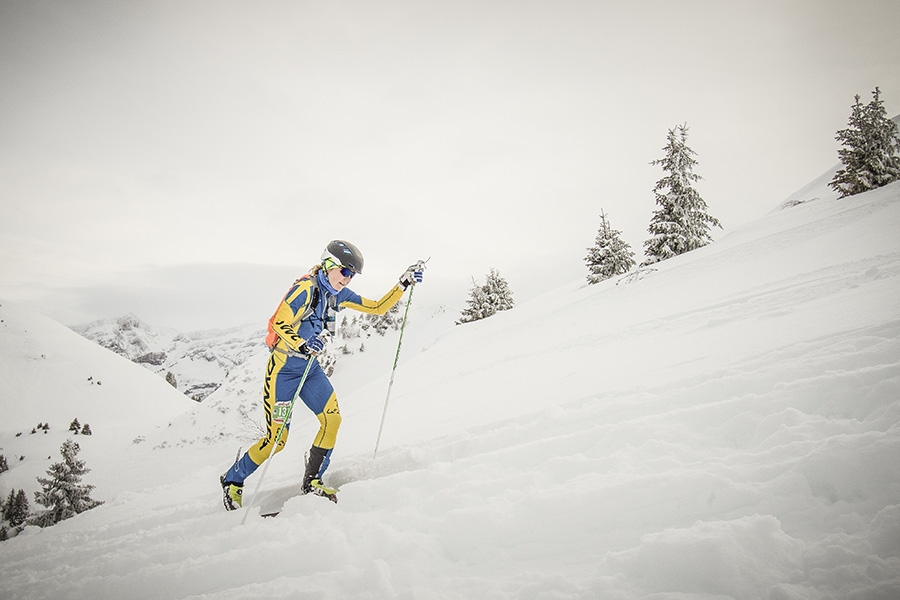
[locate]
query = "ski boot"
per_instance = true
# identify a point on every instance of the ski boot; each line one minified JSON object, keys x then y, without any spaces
{"x":312,"y":483}
{"x":315,"y":486}
{"x":232,"y":494}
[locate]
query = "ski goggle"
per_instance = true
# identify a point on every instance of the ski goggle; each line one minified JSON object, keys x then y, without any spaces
{"x":332,"y":264}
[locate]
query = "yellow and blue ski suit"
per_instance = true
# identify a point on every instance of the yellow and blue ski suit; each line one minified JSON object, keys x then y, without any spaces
{"x":294,"y":323}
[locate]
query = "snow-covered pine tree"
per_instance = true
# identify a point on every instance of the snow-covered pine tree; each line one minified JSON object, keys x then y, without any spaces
{"x":63,"y":493}
{"x":6,"y":506}
{"x":15,"y":510}
{"x":389,"y":320}
{"x":4,"y":466}
{"x":477,"y":305}
{"x":75,"y":426}
{"x":498,"y":293}
{"x":681,"y":223}
{"x":488,"y":299}
{"x":871,"y":152}
{"x":328,"y":359}
{"x":610,"y":255}
{"x":349,"y":328}
{"x":20,"y":509}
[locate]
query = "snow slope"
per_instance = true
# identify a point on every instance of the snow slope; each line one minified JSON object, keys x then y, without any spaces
{"x":725,"y":426}
{"x":51,"y":375}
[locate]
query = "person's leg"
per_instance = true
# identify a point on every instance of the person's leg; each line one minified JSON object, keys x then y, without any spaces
{"x":279,"y":387}
{"x":319,"y":396}
{"x":320,"y":453}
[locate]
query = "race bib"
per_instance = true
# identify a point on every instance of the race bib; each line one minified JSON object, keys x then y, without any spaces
{"x":280,"y":411}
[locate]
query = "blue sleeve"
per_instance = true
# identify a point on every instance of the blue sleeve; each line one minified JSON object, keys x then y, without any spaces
{"x":347,"y":295}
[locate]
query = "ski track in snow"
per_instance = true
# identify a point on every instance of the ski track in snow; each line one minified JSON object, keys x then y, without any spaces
{"x":737,"y":443}
{"x":430,"y":507}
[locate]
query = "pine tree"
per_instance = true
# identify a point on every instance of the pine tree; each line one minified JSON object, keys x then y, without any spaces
{"x":75,"y":426}
{"x":488,"y":299}
{"x":477,"y":305}
{"x":8,"y":504}
{"x":498,"y":293}
{"x":349,"y":328}
{"x":4,"y":466}
{"x":390,"y":320}
{"x":20,"y":511}
{"x":681,"y":223}
{"x":610,"y":255}
{"x":871,"y":152}
{"x":15,"y":510}
{"x":63,"y":493}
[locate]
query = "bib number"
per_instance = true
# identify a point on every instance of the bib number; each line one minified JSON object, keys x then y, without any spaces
{"x":280,"y":411}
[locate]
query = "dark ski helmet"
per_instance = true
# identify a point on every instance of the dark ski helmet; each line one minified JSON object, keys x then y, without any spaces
{"x":342,"y":254}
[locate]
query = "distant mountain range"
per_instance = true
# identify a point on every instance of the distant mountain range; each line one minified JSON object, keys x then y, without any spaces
{"x":195,"y":363}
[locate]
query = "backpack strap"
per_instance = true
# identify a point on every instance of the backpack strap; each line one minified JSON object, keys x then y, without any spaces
{"x":272,"y":338}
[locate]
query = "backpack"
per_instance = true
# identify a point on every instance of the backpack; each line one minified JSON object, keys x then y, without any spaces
{"x":272,"y":337}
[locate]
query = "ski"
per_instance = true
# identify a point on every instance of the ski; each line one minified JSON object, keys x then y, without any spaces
{"x":318,"y":489}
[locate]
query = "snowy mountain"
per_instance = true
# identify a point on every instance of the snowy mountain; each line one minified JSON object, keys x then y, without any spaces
{"x":130,"y":337}
{"x":197,"y":361}
{"x":50,"y":375}
{"x":726,"y":426}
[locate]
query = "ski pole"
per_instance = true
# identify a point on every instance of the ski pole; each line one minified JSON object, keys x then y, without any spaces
{"x":284,"y":423}
{"x":419,"y":265}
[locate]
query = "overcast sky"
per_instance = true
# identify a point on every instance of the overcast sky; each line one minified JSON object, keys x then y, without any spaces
{"x":185,"y":160}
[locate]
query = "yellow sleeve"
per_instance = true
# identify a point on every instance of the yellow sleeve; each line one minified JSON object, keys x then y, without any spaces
{"x":377,"y":307}
{"x":287,"y":317}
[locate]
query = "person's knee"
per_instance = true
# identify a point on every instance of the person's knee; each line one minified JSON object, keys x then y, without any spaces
{"x":282,"y":441}
{"x":261,"y":450}
{"x":334,"y":423}
{"x":329,"y":424}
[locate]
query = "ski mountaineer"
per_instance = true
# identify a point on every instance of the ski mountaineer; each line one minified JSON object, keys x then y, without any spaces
{"x":296,"y":336}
